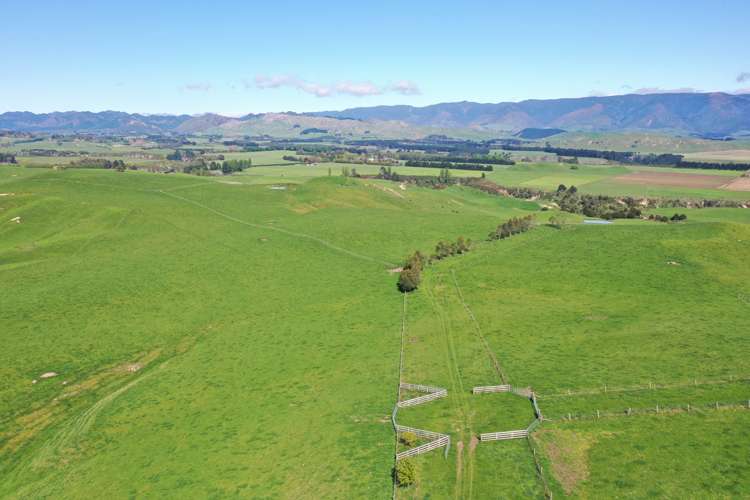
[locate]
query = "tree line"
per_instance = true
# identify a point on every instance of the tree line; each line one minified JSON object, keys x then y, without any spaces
{"x":7,"y":158}
{"x":515,"y":225}
{"x":448,"y":164}
{"x":631,"y":157}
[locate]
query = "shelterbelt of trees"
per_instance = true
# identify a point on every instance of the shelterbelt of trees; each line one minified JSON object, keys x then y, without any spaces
{"x":665,"y":159}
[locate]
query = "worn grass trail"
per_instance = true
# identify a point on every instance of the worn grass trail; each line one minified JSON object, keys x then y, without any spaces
{"x":443,"y":346}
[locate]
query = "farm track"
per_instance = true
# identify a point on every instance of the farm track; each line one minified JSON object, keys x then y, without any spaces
{"x":308,"y":237}
{"x":464,"y":482}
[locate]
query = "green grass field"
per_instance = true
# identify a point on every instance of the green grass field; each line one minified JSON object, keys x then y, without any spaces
{"x":218,"y":337}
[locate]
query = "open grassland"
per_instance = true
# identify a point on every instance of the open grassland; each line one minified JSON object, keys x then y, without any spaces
{"x":219,"y":337}
{"x":697,"y":455}
{"x":594,"y":319}
{"x":643,"y":142}
{"x":730,"y":155}
{"x":213,"y":339}
{"x":620,"y":180}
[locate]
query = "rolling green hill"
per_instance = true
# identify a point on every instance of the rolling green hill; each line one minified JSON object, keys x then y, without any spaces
{"x":242,"y":336}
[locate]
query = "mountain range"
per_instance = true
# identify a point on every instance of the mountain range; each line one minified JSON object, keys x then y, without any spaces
{"x":704,"y":114}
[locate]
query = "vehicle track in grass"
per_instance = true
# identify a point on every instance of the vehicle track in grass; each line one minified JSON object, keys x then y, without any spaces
{"x":464,"y":482}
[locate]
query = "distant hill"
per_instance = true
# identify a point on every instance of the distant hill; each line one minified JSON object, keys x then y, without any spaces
{"x":538,"y":133}
{"x":704,"y":115}
{"x":85,"y":121}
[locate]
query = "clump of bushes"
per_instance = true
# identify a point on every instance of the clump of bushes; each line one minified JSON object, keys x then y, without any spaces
{"x":605,"y":207}
{"x":664,"y":218}
{"x":516,"y":225}
{"x":411,"y":272}
{"x":447,"y":249}
{"x":405,"y":473}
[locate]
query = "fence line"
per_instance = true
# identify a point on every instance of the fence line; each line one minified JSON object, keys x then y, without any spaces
{"x":537,"y":462}
{"x":656,"y":410}
{"x":501,"y":436}
{"x":398,"y":392}
{"x":420,"y":387}
{"x":524,"y":392}
{"x":432,"y":394}
{"x":419,"y":432}
{"x":419,"y":450}
{"x":484,"y":389}
{"x":642,"y":387}
{"x":537,"y":411}
{"x":488,"y":350}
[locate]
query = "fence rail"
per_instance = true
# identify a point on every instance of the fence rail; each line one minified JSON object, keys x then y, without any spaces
{"x":432,"y":445}
{"x":420,"y":387}
{"x":500,"y":436}
{"x":423,"y":399}
{"x":484,"y":389}
{"x":419,"y":432}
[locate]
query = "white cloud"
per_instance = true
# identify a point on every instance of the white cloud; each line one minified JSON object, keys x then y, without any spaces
{"x":406,"y":87}
{"x":197,"y":87}
{"x":743,"y":77}
{"x":357,"y":89}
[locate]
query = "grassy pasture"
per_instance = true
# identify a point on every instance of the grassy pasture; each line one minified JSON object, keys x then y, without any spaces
{"x":243,"y":380}
{"x":225,"y":339}
{"x":609,"y":180}
{"x":666,"y":456}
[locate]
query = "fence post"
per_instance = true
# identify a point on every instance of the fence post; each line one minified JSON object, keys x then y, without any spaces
{"x":597,"y":413}
{"x":688,"y":407}
{"x":717,"y":405}
{"x":657,"y":407}
{"x":629,"y":409}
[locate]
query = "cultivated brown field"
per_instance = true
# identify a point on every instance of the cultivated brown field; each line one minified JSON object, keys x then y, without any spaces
{"x":739,"y":184}
{"x":674,"y":179}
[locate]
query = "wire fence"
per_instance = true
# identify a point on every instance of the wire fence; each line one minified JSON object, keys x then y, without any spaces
{"x":650,"y":386}
{"x":653,"y":410}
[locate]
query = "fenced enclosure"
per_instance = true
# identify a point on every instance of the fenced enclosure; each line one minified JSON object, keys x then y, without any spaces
{"x":432,"y":445}
{"x":432,"y":394}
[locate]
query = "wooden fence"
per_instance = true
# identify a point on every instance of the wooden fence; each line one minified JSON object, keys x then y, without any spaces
{"x":501,"y":436}
{"x":484,"y":389}
{"x":432,"y":394}
{"x":432,"y":445}
{"x":419,"y":432}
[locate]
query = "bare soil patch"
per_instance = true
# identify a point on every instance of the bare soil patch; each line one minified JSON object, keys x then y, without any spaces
{"x":674,"y":179}
{"x":739,"y":184}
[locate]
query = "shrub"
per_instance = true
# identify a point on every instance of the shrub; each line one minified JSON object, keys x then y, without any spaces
{"x":408,"y":439}
{"x":405,"y":473}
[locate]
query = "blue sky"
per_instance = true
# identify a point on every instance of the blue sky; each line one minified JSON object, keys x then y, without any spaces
{"x":241,"y":57}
